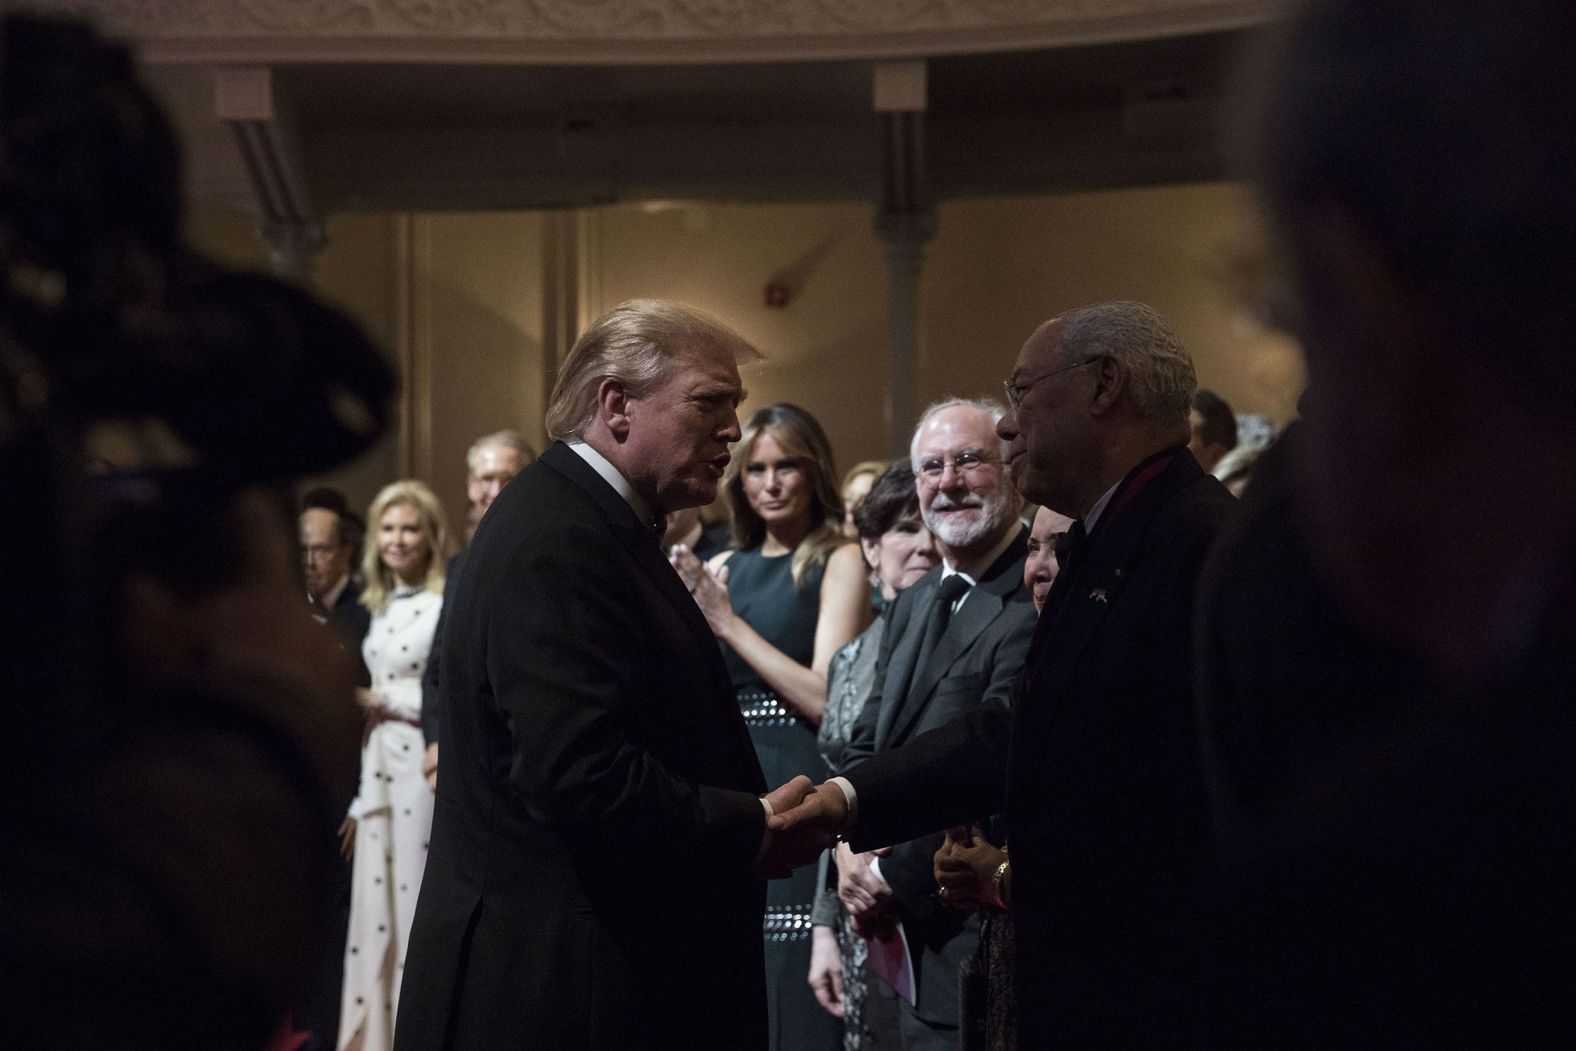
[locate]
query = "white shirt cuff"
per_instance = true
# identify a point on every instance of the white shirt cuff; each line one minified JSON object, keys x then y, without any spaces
{"x":850,"y":795}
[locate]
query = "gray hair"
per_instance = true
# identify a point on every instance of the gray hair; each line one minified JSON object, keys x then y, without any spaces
{"x":499,"y":439}
{"x":989,"y":406}
{"x":635,"y":343}
{"x":1160,"y":372}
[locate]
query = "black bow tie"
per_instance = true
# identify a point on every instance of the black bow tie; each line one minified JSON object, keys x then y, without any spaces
{"x":952,"y":589}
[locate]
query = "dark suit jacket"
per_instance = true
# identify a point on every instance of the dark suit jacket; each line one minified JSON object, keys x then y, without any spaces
{"x":1096,"y":763}
{"x":430,"y":676}
{"x":351,"y":620}
{"x":591,"y":880}
{"x":976,"y":661}
{"x":1397,"y":863}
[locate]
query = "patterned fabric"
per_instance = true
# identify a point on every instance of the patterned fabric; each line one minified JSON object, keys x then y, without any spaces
{"x":855,"y":954}
{"x":762,"y":591}
{"x":393,"y":812}
{"x":848,"y":683}
{"x":997,"y":950}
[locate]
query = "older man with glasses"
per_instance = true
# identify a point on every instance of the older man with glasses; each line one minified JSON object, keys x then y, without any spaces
{"x":1096,"y":760}
{"x":956,"y":640}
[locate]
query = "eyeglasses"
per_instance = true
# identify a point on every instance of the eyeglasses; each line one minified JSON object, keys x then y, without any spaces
{"x":931,"y":468}
{"x":1016,"y":389}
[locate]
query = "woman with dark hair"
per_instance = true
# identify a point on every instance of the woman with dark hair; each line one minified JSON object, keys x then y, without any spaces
{"x":899,"y":550}
{"x":783,"y":600}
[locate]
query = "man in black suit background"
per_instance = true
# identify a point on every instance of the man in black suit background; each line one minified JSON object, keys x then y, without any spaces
{"x":1096,"y":760}
{"x":957,"y":639}
{"x":330,"y":536}
{"x":592,"y":880}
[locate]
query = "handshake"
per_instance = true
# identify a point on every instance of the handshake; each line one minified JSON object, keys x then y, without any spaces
{"x":806,"y":820}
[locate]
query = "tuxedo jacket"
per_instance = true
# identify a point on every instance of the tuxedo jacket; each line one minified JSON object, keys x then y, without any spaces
{"x":591,"y":878}
{"x":430,"y":675}
{"x":975,"y":662}
{"x":1096,"y":763}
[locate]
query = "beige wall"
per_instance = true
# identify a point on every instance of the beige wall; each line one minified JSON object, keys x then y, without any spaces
{"x":478,"y":301}
{"x":996,"y":268}
{"x":461,"y":296}
{"x":1001,"y":266}
{"x":824,"y":350}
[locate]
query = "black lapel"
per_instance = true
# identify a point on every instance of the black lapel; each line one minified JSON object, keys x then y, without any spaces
{"x":984,"y":605}
{"x":905,"y":651}
{"x":642,"y":545}
{"x":1097,"y":583}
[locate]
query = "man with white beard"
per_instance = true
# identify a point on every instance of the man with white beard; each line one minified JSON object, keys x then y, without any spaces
{"x":957,"y":639}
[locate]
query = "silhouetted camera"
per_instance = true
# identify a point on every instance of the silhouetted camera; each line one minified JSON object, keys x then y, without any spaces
{"x":115,"y":336}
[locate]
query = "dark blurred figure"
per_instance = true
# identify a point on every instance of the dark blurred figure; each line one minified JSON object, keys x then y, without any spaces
{"x":1235,"y":469}
{"x":1214,"y":429}
{"x":182,"y":734}
{"x":1389,"y":637}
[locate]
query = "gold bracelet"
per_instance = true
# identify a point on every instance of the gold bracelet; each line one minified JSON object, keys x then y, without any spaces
{"x":998,"y":884}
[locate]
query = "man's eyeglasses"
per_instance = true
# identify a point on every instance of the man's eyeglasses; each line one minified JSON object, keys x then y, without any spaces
{"x":931,"y":468}
{"x":1016,"y":389}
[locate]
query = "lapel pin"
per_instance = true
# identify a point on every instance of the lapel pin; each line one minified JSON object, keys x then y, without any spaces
{"x":1098,"y":594}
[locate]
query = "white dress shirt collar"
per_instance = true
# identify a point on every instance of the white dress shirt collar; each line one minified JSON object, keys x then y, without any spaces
{"x":1099,"y":505}
{"x":612,"y":476}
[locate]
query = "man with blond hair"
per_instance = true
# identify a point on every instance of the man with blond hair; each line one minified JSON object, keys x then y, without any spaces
{"x":593,"y":876}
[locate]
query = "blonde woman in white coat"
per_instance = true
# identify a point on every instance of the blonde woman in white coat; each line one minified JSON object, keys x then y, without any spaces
{"x":390,"y":819}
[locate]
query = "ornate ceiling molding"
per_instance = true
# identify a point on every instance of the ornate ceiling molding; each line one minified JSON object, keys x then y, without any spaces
{"x":629,"y":31}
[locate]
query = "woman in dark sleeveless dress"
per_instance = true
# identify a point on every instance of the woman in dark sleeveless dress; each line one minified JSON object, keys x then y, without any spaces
{"x":787,"y":597}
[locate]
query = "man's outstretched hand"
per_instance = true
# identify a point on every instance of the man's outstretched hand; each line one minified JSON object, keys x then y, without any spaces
{"x":803,"y":824}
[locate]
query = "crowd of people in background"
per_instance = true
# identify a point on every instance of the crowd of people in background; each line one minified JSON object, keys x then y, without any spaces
{"x":800,"y":593}
{"x":1226,"y":744}
{"x":797,"y":606}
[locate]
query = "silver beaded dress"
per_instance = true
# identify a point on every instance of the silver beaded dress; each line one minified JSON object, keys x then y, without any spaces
{"x":762,"y":591}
